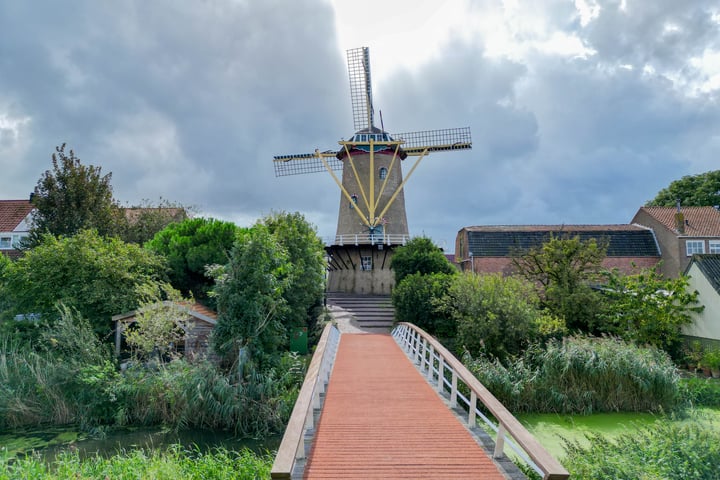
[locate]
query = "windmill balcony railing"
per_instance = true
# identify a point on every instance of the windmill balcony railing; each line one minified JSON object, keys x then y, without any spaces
{"x":368,"y":239}
{"x":302,"y":419}
{"x":442,"y":369}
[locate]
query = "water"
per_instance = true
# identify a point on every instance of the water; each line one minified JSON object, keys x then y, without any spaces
{"x":551,"y":428}
{"x":51,"y":441}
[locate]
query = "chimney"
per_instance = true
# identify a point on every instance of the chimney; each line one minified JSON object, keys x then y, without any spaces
{"x":679,"y":219}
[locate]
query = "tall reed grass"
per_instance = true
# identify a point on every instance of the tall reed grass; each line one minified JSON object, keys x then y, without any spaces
{"x":583,"y":375}
{"x":40,"y":388}
{"x":171,"y":464}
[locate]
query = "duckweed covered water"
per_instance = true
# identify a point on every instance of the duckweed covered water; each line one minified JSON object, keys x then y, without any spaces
{"x":550,"y":428}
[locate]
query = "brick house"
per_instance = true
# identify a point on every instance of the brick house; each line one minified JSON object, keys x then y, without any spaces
{"x":681,"y":233}
{"x":489,"y":249}
{"x":15,"y":221}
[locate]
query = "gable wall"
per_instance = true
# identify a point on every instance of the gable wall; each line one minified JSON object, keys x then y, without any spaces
{"x":706,"y":324}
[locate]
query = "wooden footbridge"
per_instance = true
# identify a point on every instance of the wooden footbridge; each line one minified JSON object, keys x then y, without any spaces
{"x":399,"y":405}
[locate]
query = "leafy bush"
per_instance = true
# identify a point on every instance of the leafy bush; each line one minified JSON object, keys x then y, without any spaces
{"x":662,"y":450}
{"x":416,"y":301}
{"x":419,"y":255}
{"x":700,"y":392}
{"x":583,"y":375}
{"x":495,"y":315}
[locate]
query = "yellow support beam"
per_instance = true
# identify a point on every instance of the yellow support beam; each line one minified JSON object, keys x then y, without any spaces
{"x":400,"y":187}
{"x":364,"y":220}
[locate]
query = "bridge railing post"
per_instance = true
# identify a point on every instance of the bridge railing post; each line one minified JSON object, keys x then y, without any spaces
{"x":454,"y":390}
{"x":500,"y":442}
{"x":441,"y":374}
{"x":471,"y":409}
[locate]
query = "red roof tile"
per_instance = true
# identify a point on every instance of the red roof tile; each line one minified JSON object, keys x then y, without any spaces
{"x":700,"y":221}
{"x":12,"y":212}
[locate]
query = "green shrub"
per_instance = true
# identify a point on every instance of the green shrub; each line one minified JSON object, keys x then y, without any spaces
{"x":583,"y":375}
{"x":700,"y":392}
{"x":495,"y":315}
{"x":662,"y":450}
{"x":416,"y":301}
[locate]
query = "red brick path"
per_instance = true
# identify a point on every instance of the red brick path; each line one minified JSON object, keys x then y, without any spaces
{"x":382,"y":420}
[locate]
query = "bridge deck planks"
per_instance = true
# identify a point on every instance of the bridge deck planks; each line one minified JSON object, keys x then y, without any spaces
{"x":381,"y":419}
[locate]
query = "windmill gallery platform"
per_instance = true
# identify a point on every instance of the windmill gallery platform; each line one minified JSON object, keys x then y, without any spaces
{"x":386,"y":406}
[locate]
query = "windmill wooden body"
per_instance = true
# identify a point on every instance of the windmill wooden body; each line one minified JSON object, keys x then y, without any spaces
{"x":372,"y":220}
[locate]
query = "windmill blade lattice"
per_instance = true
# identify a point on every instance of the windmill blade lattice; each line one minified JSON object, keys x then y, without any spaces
{"x":298,"y":164}
{"x":360,"y":87}
{"x":435,"y":140}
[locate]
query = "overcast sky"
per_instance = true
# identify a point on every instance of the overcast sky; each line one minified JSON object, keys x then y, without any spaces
{"x":580,"y":111}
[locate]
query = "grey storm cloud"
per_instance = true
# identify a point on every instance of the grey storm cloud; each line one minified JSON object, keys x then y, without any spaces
{"x":191,"y":100}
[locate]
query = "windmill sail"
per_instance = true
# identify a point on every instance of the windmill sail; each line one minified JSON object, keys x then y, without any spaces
{"x":360,"y":88}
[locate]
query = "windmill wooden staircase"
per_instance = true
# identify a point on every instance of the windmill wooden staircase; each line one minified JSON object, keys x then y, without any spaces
{"x":372,"y":313}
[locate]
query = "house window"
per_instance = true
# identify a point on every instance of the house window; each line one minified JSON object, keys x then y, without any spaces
{"x":382,"y":173}
{"x":354,"y":201}
{"x":714,"y":246}
{"x":694,"y":246}
{"x":5,"y":242}
{"x":366,"y":262}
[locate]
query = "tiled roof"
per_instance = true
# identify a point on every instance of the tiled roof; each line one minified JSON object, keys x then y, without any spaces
{"x":12,"y":212}
{"x":709,"y":265}
{"x":700,"y":221}
{"x":504,"y":240}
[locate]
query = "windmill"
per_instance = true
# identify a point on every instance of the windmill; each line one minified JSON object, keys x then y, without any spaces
{"x":372,"y":218}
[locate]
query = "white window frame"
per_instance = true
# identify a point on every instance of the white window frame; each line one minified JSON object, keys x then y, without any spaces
{"x":6,"y":242}
{"x":382,"y":173}
{"x":366,"y":262}
{"x":714,"y":246}
{"x":694,"y":246}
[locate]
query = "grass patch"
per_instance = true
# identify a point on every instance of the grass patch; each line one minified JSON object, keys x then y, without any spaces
{"x":171,"y":464}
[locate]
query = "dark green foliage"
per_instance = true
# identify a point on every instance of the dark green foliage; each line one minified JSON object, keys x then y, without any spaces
{"x":564,"y":269}
{"x":691,"y":190}
{"x":419,"y":255}
{"x":700,"y":392}
{"x":73,"y":197}
{"x":495,"y":315}
{"x":583,"y":375}
{"x":663,"y":450}
{"x":416,"y":300}
{"x":173,"y":463}
{"x":250,"y":298}
{"x":648,"y":309}
{"x":305,"y":286}
{"x":190,"y":247}
{"x":99,"y":277}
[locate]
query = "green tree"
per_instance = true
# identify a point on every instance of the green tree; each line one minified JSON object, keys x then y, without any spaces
{"x":691,"y":190}
{"x":564,"y":269}
{"x":305,"y":284}
{"x":419,"y":255}
{"x":416,"y":300}
{"x":646,"y":308}
{"x":161,"y":323}
{"x":250,"y":301}
{"x":73,"y":197}
{"x":190,"y":247}
{"x":96,"y":276}
{"x":495,"y":315}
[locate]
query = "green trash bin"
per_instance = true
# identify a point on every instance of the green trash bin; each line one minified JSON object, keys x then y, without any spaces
{"x":299,"y":341}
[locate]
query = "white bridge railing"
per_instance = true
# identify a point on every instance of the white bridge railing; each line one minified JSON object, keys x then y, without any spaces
{"x":367,"y":239}
{"x":292,"y":447}
{"x":442,"y":368}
